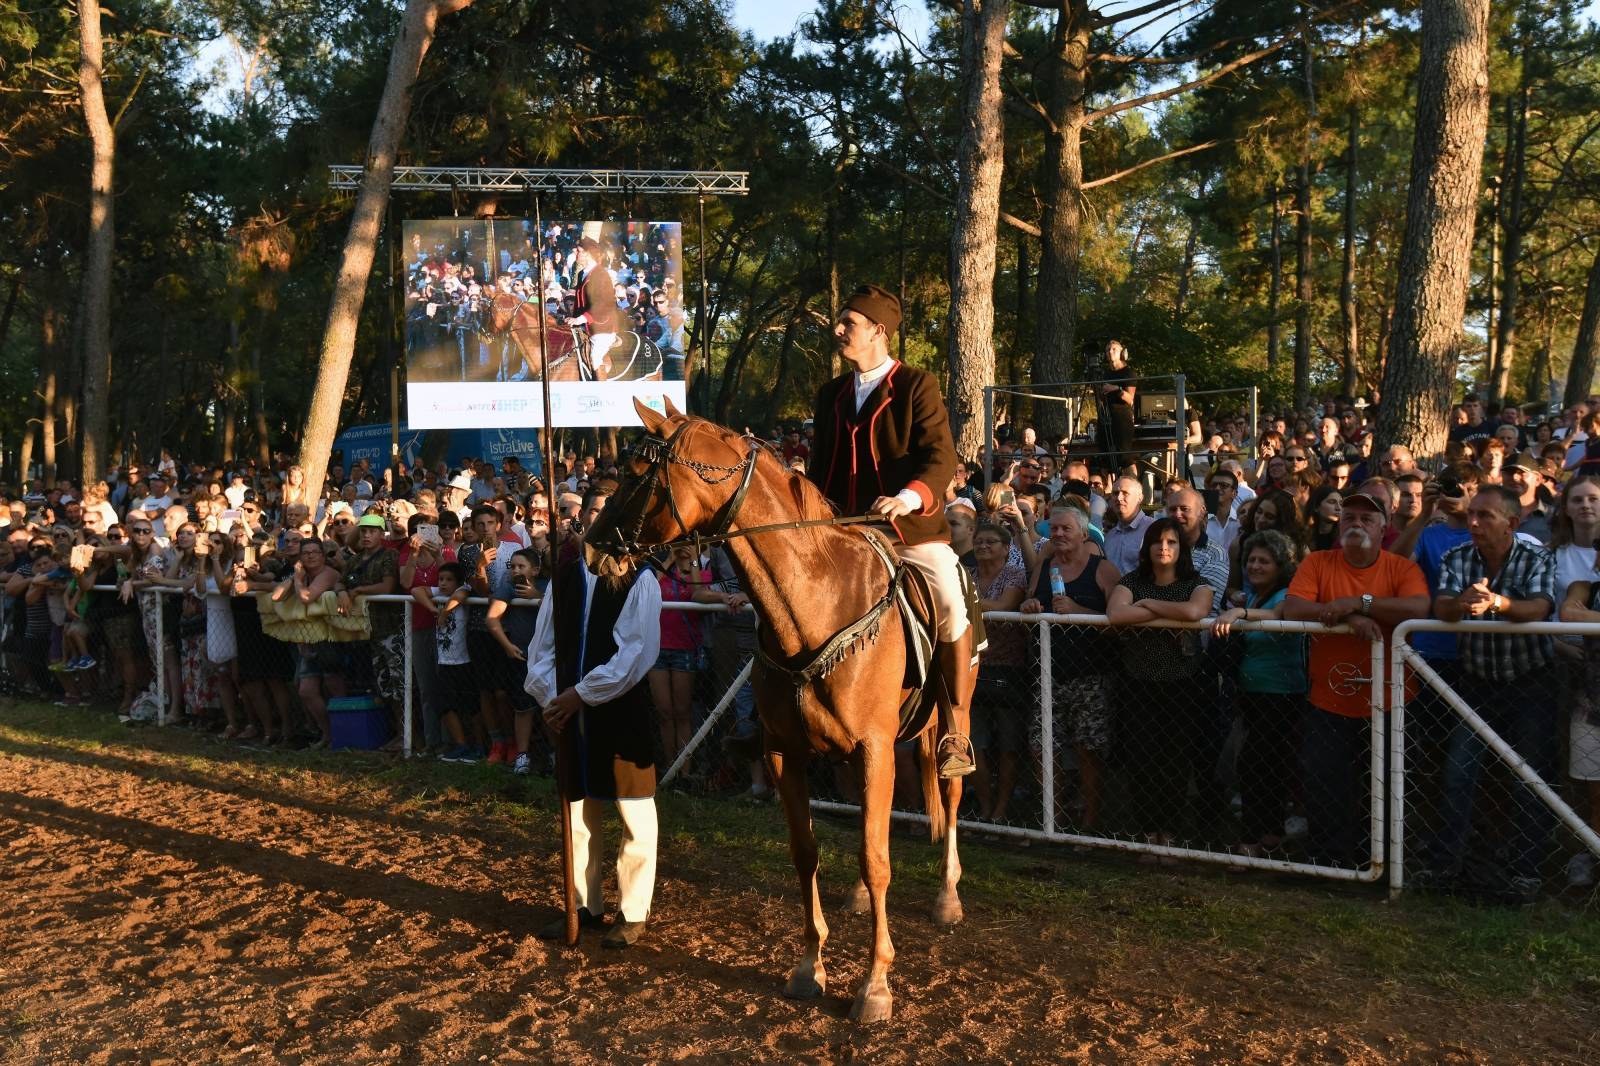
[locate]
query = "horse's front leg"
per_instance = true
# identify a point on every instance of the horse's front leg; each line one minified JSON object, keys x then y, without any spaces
{"x":876,"y":760}
{"x":947,"y":907}
{"x":809,"y":978}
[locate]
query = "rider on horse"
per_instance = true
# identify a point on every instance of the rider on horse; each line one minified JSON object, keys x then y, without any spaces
{"x":883,"y":446}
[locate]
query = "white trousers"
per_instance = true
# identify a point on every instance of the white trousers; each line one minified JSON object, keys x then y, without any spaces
{"x":636,"y":858}
{"x":599,"y":345}
{"x":938,"y":563}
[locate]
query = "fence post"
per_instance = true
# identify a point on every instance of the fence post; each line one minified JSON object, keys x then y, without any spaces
{"x":407,"y":699}
{"x":1047,"y":724}
{"x":1377,"y":745}
{"x":159,"y":653}
{"x":1397,"y":758}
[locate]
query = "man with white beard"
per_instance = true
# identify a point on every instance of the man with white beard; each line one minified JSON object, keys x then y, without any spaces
{"x":1359,"y":585}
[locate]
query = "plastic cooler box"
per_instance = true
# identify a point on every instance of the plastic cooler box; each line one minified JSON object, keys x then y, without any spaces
{"x":357,"y":722}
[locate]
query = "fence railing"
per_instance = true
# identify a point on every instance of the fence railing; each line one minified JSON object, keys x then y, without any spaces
{"x":1542,"y":699}
{"x":1089,"y":734}
{"x":1108,"y":775}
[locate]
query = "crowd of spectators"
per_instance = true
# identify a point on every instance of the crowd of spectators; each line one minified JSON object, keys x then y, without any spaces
{"x":1296,"y":518}
{"x":452,"y":281}
{"x":249,"y":590}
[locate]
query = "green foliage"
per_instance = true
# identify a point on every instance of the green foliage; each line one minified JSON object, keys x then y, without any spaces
{"x":228,"y":237}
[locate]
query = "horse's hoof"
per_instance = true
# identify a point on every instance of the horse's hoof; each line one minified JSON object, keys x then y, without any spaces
{"x":873,"y":1006}
{"x":947,"y":910}
{"x":860,"y":901}
{"x":806,"y":983}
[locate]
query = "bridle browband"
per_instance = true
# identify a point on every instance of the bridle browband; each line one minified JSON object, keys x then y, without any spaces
{"x":661,"y":455}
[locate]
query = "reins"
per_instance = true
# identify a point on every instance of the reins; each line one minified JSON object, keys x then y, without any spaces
{"x":662,"y":456}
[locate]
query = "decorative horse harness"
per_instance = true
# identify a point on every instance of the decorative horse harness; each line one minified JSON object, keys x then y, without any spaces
{"x":662,"y":455}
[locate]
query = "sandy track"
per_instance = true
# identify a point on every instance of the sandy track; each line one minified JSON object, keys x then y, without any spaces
{"x":156,"y":913}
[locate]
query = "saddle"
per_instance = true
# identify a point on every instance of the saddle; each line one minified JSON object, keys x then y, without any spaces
{"x":920,"y":621}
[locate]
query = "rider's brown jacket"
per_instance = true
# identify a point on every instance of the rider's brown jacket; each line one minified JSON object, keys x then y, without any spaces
{"x":899,"y":439}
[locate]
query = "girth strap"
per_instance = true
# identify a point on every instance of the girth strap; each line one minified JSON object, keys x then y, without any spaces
{"x":863,"y":630}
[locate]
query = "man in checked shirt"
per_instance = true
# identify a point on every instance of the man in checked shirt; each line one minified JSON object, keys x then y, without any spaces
{"x":1507,"y":678}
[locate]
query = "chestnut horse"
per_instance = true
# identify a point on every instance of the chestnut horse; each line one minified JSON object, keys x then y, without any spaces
{"x":632,"y":358}
{"x":520,"y":319}
{"x":832,"y":653}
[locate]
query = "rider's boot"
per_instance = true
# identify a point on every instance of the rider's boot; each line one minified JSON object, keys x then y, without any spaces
{"x":958,"y":668}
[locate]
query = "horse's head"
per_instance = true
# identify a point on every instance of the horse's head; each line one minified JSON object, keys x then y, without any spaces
{"x":502,"y":311}
{"x":686,"y":476}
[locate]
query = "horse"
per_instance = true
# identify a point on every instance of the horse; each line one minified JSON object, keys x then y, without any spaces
{"x":520,"y":319}
{"x":832,"y":655}
{"x":632,"y":358}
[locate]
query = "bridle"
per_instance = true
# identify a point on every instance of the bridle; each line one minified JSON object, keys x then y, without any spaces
{"x":662,"y":455}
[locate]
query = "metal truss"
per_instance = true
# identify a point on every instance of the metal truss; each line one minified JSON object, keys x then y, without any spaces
{"x":517,"y":179}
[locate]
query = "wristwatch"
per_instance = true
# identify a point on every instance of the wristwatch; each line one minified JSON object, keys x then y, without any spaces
{"x":1366,"y":603}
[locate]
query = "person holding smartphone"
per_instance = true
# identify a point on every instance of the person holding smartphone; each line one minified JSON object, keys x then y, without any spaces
{"x":511,"y":620}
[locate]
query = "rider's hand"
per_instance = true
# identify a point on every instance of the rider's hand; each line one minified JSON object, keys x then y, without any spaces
{"x":890,"y":507}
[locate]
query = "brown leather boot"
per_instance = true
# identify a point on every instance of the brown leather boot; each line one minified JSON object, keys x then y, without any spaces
{"x":959,"y":673}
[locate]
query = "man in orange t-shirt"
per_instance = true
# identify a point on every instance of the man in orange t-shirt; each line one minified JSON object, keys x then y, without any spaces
{"x":1359,"y":585}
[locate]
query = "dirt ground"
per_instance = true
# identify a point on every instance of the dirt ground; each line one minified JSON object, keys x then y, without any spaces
{"x":162,"y":911}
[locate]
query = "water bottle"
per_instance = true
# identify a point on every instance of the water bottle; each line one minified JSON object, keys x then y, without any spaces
{"x":1057,"y":586}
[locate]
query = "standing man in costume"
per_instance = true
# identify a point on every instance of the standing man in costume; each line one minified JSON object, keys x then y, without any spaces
{"x":883,"y":446}
{"x":596,"y":305}
{"x":607,"y":630}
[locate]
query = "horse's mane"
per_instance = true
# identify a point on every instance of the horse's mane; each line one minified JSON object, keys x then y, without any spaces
{"x":809,"y":502}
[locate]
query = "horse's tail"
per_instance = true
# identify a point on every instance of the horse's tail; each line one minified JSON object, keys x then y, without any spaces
{"x":932,"y":797}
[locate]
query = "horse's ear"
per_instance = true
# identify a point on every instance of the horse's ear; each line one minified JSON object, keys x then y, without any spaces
{"x":651,"y":419}
{"x":672,"y":410}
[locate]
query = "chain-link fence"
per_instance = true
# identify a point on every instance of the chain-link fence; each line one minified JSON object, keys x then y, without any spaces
{"x":74,"y":646}
{"x":1497,"y":743}
{"x":1162,"y":739}
{"x":1148,"y":739}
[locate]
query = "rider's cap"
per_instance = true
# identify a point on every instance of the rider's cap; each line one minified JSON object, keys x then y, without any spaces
{"x":878,"y":304}
{"x":590,"y":245}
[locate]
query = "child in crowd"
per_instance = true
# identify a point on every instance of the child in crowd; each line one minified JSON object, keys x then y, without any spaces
{"x":456,"y":688}
{"x":75,"y":632}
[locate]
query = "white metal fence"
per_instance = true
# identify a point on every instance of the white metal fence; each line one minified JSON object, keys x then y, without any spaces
{"x":1041,"y":805}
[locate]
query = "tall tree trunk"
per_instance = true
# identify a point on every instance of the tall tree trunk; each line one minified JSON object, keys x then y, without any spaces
{"x":47,"y":425}
{"x":258,"y":395}
{"x":1538,"y":387}
{"x":1275,"y":284}
{"x":1511,"y":251}
{"x":1185,"y":272}
{"x":785,"y":353}
{"x":1586,"y":350}
{"x":25,"y":454}
{"x":11,"y":306}
{"x":1302,"y":264}
{"x":1452,"y":118}
{"x":1062,"y":218}
{"x":980,"y":161}
{"x":417,"y":26}
{"x":1019,"y":333}
{"x":102,"y":232}
{"x":1348,"y":311}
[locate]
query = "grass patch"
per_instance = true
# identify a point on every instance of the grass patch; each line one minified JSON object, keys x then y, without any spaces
{"x":1474,"y":951}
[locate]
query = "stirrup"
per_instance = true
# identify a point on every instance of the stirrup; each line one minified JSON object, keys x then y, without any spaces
{"x":956,"y":757}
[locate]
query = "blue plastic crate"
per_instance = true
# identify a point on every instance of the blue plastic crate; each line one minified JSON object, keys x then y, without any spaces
{"x":357,"y":722}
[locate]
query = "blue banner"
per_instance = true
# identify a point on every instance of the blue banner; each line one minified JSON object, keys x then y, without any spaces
{"x":496,"y":445}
